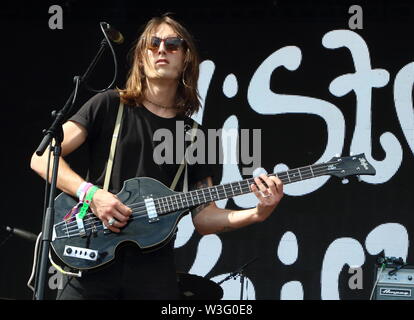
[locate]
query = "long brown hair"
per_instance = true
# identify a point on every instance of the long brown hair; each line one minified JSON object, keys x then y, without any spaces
{"x":187,"y":97}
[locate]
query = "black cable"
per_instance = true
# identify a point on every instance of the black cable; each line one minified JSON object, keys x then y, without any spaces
{"x":103,"y":43}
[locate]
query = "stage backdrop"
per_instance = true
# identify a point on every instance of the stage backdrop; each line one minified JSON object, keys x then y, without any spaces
{"x":318,"y":79}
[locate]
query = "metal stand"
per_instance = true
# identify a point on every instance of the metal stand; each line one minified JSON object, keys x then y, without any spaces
{"x":239,"y":273}
{"x":5,"y":239}
{"x":56,"y":132}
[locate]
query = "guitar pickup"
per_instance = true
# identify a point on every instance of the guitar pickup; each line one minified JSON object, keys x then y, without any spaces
{"x":81,"y":253}
{"x":151,"y":210}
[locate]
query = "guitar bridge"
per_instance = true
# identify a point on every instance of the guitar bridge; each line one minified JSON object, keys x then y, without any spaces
{"x":81,"y":227}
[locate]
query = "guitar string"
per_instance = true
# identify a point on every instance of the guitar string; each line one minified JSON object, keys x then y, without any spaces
{"x":73,"y":230}
{"x":143,"y":213}
{"x":176,"y":206}
{"x":70,"y":233}
{"x":91,"y":218}
{"x":160,"y":206}
{"x":227,"y":187}
{"x":173,"y":202}
{"x":250,"y":180}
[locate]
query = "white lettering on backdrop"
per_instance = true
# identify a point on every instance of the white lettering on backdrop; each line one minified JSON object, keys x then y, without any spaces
{"x":261,"y":99}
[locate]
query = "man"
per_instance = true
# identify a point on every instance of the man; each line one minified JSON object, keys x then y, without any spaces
{"x":160,"y":90}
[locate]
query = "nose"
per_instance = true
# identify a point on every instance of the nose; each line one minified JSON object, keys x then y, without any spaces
{"x":161,"y":48}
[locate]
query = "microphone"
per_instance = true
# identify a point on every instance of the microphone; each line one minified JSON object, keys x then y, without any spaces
{"x":113,"y":34}
{"x":21,"y":233}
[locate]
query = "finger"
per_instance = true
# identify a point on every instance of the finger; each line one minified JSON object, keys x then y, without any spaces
{"x":113,"y":228}
{"x":116,"y":223}
{"x":123,"y":209}
{"x":119,"y":216}
{"x":256,"y":191}
{"x":279,"y":184}
{"x":267,"y":180}
{"x":119,"y":224}
{"x":272,"y":184}
{"x":260,"y":184}
{"x":270,"y":188}
{"x":278,"y":192}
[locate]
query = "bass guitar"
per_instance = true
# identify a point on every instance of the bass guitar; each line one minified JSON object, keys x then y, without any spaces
{"x":156,"y":210}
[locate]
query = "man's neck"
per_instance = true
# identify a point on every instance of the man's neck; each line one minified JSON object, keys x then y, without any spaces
{"x":160,"y":94}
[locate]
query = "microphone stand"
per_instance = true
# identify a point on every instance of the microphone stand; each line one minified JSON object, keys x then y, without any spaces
{"x":56,"y":132}
{"x":238,"y":272}
{"x":5,"y":239}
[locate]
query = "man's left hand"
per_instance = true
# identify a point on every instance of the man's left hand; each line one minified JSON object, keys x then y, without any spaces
{"x":269,"y":196}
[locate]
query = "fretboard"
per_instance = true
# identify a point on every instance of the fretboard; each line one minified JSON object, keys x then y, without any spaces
{"x":197,"y":197}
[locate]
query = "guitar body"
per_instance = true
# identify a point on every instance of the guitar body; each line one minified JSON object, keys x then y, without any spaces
{"x":147,"y":235}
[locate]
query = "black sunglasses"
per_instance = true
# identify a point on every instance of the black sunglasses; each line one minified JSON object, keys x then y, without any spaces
{"x":171,"y":43}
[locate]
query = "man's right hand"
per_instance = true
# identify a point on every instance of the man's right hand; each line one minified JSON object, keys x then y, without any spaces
{"x":106,"y":206}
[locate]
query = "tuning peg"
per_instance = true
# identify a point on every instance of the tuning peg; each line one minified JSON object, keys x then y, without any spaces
{"x":345,"y":181}
{"x":359,"y":178}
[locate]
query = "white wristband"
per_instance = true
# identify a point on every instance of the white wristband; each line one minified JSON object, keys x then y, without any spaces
{"x":81,"y":187}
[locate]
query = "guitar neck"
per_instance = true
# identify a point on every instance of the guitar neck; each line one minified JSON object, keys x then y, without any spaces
{"x":229,"y":190}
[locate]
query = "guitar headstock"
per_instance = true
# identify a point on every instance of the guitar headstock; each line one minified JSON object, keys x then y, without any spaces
{"x":350,"y":166}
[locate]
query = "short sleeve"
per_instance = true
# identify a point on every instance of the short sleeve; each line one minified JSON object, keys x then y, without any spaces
{"x":93,"y":113}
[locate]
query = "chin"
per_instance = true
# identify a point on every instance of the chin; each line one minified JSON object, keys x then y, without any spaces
{"x":167,"y":75}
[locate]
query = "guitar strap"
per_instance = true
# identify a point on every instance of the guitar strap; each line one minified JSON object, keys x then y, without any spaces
{"x":184,"y":165}
{"x":115,"y":135}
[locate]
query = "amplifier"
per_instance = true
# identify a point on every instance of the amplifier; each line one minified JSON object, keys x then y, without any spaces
{"x":397,"y":286}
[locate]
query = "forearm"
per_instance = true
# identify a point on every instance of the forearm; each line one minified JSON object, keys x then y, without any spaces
{"x":68,"y":180}
{"x":216,"y":220}
{"x":208,"y":218}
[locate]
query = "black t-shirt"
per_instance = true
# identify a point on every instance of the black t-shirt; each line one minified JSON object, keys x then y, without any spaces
{"x":134,"y":156}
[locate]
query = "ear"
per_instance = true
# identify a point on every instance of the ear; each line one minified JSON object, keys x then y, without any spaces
{"x":186,"y":59}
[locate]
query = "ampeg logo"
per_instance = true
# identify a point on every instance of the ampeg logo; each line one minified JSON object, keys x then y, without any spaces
{"x":395,"y":292}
